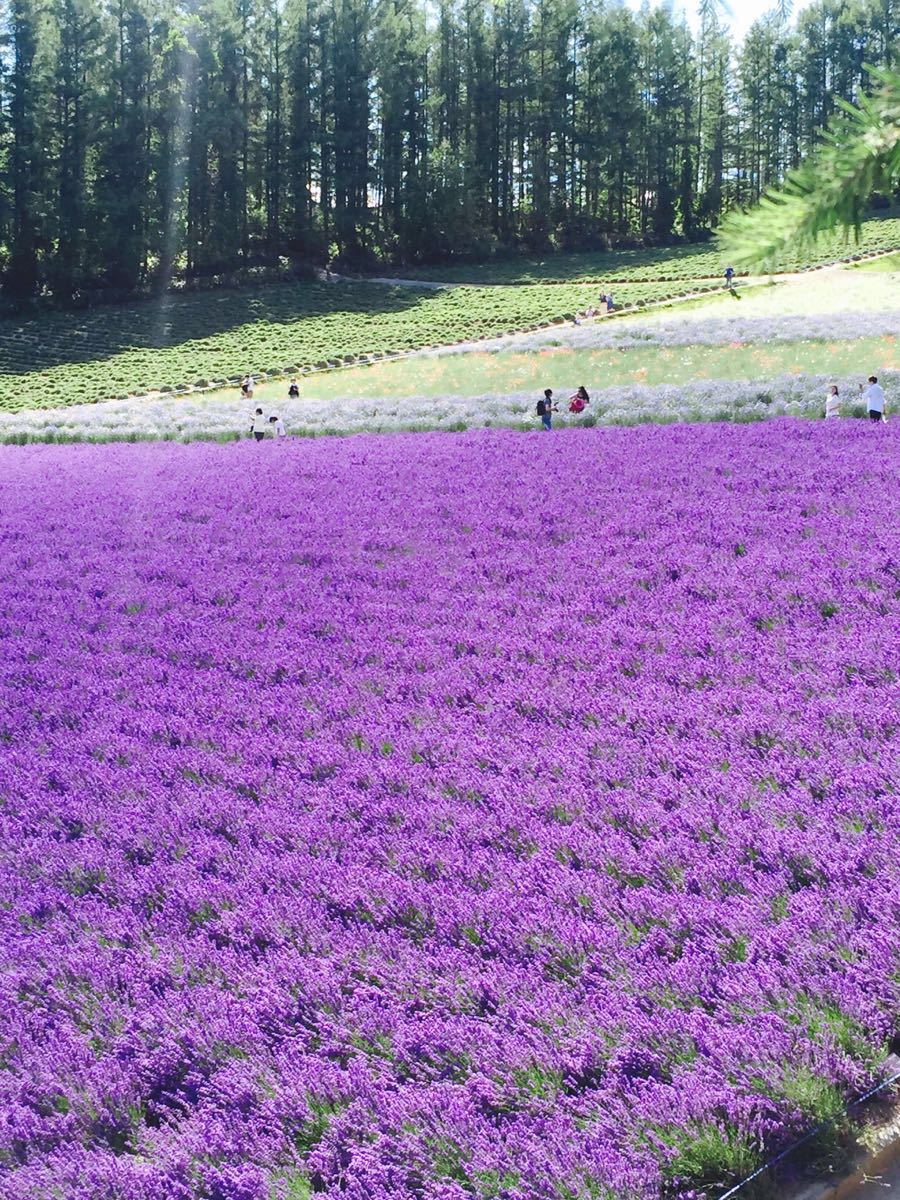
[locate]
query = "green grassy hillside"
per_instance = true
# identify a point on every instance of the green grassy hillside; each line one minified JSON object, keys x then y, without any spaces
{"x":71,"y":358}
{"x":180,"y":342}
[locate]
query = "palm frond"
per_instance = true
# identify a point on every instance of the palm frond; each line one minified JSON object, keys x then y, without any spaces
{"x":859,"y":154}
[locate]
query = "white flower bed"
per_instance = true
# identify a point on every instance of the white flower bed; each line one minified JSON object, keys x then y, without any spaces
{"x":191,"y":417}
{"x":625,"y":334}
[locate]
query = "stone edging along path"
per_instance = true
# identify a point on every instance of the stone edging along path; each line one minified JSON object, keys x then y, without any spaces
{"x":393,"y":356}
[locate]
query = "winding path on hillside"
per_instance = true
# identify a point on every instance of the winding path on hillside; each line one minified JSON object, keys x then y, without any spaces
{"x":326,"y":276}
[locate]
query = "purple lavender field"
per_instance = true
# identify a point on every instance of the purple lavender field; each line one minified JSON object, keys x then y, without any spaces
{"x":434,"y":817}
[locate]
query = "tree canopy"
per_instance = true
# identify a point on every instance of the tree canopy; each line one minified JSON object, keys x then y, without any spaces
{"x":858,"y":156}
{"x":146,"y":139}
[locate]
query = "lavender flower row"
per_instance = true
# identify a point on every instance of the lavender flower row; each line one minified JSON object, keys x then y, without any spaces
{"x":421,"y":818}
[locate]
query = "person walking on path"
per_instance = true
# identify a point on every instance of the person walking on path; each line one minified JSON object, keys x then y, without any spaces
{"x":833,"y":402}
{"x":258,"y":425}
{"x":609,"y":302}
{"x":729,"y":276}
{"x":545,"y":408}
{"x":874,"y":398}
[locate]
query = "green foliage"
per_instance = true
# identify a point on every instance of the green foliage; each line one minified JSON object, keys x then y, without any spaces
{"x":537,"y":1082}
{"x":180,"y":341}
{"x":708,"y":1157}
{"x":675,"y":265}
{"x":152,"y":140}
{"x":672,"y":264}
{"x":311,"y":1132}
{"x":816,"y":1098}
{"x":291,"y":1185}
{"x":860,"y":153}
{"x":79,"y":358}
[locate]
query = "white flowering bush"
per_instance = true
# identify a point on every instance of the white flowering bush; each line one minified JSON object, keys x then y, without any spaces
{"x":677,"y":331}
{"x":196,"y":417}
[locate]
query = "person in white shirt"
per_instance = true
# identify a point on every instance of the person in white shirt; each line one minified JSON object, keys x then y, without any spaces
{"x":874,"y":397}
{"x":833,"y":402}
{"x":258,"y":425}
{"x":277,"y":426}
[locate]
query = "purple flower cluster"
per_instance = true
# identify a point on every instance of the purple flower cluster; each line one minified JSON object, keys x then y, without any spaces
{"x":425,"y":817}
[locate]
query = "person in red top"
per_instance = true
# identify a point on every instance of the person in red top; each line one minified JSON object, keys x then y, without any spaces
{"x":578,"y":400}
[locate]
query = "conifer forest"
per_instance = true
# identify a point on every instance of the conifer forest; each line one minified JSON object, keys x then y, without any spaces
{"x":146,"y":141}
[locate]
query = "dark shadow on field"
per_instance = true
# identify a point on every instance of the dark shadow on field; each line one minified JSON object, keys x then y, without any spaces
{"x":601,"y":265}
{"x":609,"y":266}
{"x":37,"y":342}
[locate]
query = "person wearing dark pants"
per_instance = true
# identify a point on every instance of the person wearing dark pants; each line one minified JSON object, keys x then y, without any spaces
{"x":545,"y":408}
{"x":874,"y":398}
{"x":259,"y":425}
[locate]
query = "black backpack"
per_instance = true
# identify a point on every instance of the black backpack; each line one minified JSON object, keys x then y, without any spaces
{"x":542,"y":408}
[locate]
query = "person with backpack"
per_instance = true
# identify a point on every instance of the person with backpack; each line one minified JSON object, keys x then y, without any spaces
{"x":729,"y":276}
{"x":546,"y":407}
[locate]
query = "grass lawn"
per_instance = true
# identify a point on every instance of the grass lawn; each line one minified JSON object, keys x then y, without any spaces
{"x":72,"y":358}
{"x":476,"y":373}
{"x":890,"y":262}
{"x":213,"y":337}
{"x":840,"y":291}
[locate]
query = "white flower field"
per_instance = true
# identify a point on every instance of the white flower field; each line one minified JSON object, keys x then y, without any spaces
{"x":768,"y":350}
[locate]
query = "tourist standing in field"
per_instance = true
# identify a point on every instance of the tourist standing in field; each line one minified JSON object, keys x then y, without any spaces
{"x":293,"y":390}
{"x":258,"y":425}
{"x":277,"y":427}
{"x":833,"y":402}
{"x":578,"y":400}
{"x":546,"y":408}
{"x":874,"y":398}
{"x":609,"y":302}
